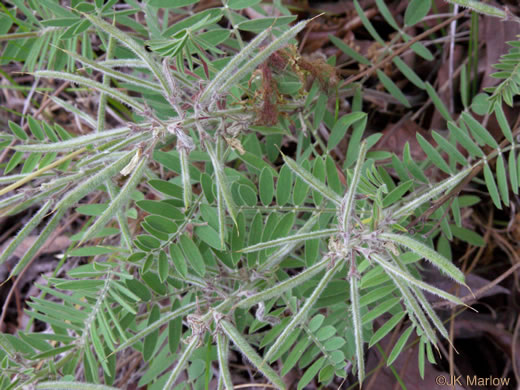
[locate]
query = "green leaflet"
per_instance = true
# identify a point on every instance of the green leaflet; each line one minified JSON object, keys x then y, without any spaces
{"x":341,"y":126}
{"x":449,"y":148}
{"x":416,"y":11}
{"x":478,"y":131}
{"x":502,"y":179}
{"x":386,"y":328}
{"x":392,"y":88}
{"x":433,"y":154}
{"x":192,"y":253}
{"x":464,"y":139}
{"x":396,"y":351}
{"x":439,"y":105}
{"x":266,"y":186}
{"x":492,"y":186}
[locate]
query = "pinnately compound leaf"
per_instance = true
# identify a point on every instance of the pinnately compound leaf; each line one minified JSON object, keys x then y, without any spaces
{"x":312,"y":181}
{"x":69,"y":200}
{"x":248,"y":351}
{"x":428,"y":253}
{"x":75,"y":142}
{"x":358,"y":329}
{"x":405,"y":276}
{"x":295,"y":238}
{"x":286,"y":285}
{"x":232,"y":66}
{"x":304,"y":310}
{"x":118,"y":201}
{"x":222,"y":352}
{"x":347,"y":203}
{"x":71,"y":386}
{"x":181,"y":363}
{"x":92,"y":84}
{"x":410,"y":205}
{"x":135,"y":47}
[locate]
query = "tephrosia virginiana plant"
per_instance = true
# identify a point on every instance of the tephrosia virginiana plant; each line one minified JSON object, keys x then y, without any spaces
{"x":200,"y":237}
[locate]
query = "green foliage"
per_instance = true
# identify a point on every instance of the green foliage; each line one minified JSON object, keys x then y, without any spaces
{"x":509,"y":74}
{"x":234,"y":249}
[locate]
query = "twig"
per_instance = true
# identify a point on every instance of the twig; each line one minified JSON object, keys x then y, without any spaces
{"x":402,"y":49}
{"x":480,"y":292}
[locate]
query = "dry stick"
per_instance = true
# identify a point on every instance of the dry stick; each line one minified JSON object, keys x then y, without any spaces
{"x":37,"y":173}
{"x":305,"y":36}
{"x":356,"y":22}
{"x":48,"y":101}
{"x":513,"y":350}
{"x":402,"y":49}
{"x":453,"y":27}
{"x":131,"y":369}
{"x":480,"y":291}
{"x":508,"y":248}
